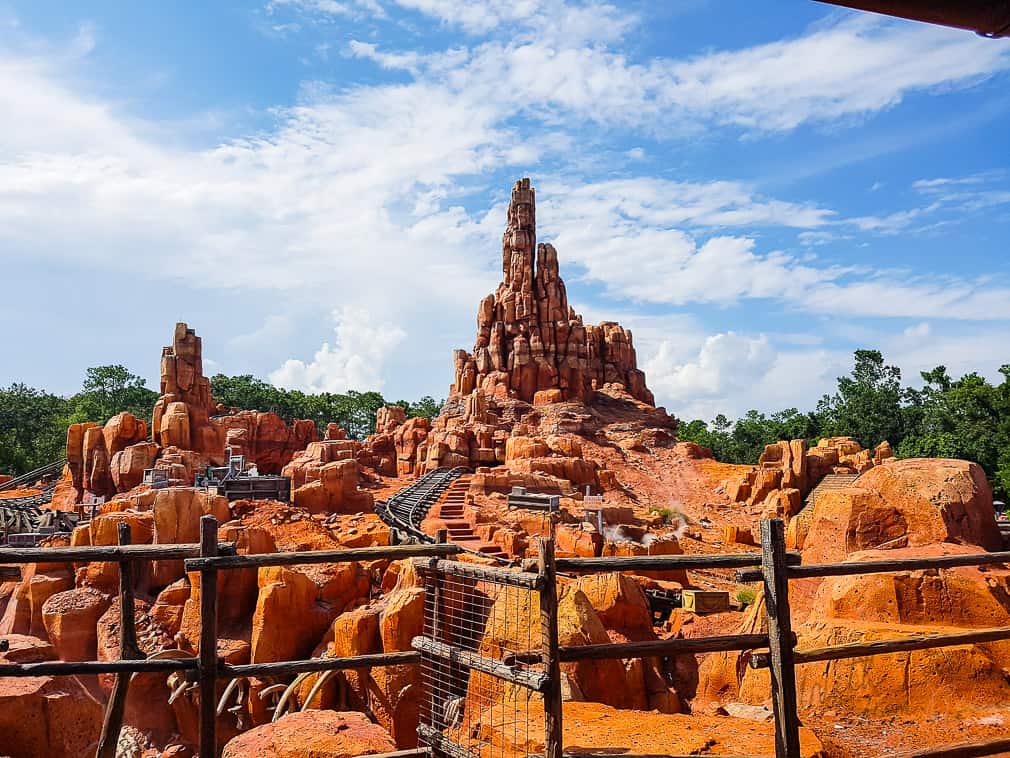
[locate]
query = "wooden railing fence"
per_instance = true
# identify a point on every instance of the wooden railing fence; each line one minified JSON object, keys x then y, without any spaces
{"x":774,"y":567}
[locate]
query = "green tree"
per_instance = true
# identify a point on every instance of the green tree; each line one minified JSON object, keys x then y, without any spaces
{"x":32,"y":428}
{"x":427,"y":407}
{"x":869,"y":404}
{"x":108,"y":390}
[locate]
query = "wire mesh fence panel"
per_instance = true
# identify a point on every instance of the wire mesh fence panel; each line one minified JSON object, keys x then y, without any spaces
{"x":480,"y":688}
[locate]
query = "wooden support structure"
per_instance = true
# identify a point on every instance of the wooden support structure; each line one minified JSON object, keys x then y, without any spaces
{"x":128,"y":651}
{"x":664,"y":562}
{"x":208,"y":667}
{"x":409,"y":753}
{"x":313,"y":665}
{"x":484,"y":573}
{"x":886,"y":647}
{"x":663,"y":648}
{"x":107,"y":553}
{"x":392,"y":553}
{"x":780,"y":639}
{"x":93,"y":668}
{"x":553,"y":715}
{"x":442,"y":745}
{"x":532,"y":680}
{"x":885,"y":565}
{"x":520,"y":498}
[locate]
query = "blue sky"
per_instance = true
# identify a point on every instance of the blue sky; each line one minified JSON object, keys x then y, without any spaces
{"x":318,"y":187}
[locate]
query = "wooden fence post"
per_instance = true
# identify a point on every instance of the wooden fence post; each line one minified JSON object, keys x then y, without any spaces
{"x":553,"y":721}
{"x":208,"y":668}
{"x":128,"y":651}
{"x":780,"y":638}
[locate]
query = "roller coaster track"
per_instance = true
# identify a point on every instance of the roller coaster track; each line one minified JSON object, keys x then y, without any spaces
{"x":50,"y":470}
{"x":405,"y":511}
{"x":23,"y":514}
{"x":407,"y":508}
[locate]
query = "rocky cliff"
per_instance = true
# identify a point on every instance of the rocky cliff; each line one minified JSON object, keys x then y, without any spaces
{"x":529,"y":339}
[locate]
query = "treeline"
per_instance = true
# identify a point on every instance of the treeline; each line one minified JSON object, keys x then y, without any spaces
{"x":354,"y":411}
{"x":965,"y":418}
{"x":33,"y":422}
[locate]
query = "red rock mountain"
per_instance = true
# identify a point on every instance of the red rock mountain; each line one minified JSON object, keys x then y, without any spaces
{"x":529,"y":339}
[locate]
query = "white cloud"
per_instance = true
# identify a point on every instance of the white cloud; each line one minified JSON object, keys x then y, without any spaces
{"x":355,"y":362}
{"x":854,"y":68}
{"x":727,"y":365}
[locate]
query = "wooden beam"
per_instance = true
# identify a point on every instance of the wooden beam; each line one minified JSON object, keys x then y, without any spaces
{"x":553,"y":706}
{"x":780,"y":639}
{"x":887,"y":647}
{"x":663,"y":648}
{"x":533,"y":680}
{"x":663,"y":562}
{"x":292,"y":668}
{"x":391,"y":552}
{"x":208,"y":669}
{"x":411,"y":753}
{"x":128,"y":651}
{"x":853,"y":568}
{"x":106,"y":553}
{"x":93,"y":668}
{"x":484,"y":573}
{"x":442,"y":745}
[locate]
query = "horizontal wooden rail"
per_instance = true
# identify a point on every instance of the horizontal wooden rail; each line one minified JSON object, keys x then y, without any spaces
{"x":534,"y":680}
{"x":313,"y":665}
{"x":10,"y":574}
{"x":409,"y":753}
{"x":442,"y":745}
{"x":963,"y":750}
{"x":664,"y":562}
{"x":392,"y":553}
{"x":79,"y":668}
{"x":852,"y":568}
{"x":589,"y":754}
{"x":661,"y":648}
{"x":106,"y":553}
{"x":885,"y":647}
{"x":484,"y":573}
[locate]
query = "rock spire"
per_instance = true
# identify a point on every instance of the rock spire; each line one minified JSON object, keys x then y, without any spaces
{"x":529,"y":339}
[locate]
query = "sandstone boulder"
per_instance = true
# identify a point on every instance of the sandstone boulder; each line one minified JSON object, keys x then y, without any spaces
{"x":177,"y":512}
{"x":71,"y":621}
{"x":904,"y":504}
{"x":47,"y":716}
{"x":127,"y":465}
{"x":312,"y":734}
{"x":123,"y":430}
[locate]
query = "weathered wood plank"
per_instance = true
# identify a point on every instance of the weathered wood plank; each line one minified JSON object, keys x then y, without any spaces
{"x":664,"y":562}
{"x":886,"y":647}
{"x":291,"y":668}
{"x":661,"y":648}
{"x":208,"y":668}
{"x":780,"y":639}
{"x":553,"y":713}
{"x":484,"y":573}
{"x":105,"y":553}
{"x":533,"y":680}
{"x":391,"y":552}
{"x":112,"y":724}
{"x":93,"y":668}
{"x":853,"y":568}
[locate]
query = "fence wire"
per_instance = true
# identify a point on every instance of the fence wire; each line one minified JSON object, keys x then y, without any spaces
{"x":472,"y":713}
